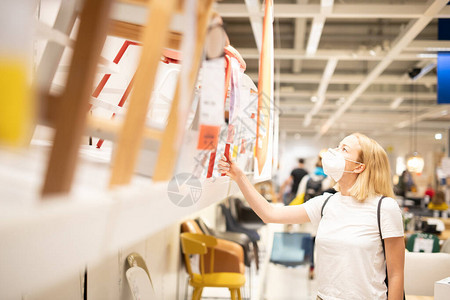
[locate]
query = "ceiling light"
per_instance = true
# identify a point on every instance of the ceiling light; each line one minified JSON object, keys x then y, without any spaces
{"x":396,"y":103}
{"x":372,"y":52}
{"x":340,"y":101}
{"x":438,"y":136}
{"x":444,"y":112}
{"x":426,"y":55}
{"x":314,"y":99}
{"x":415,"y":164}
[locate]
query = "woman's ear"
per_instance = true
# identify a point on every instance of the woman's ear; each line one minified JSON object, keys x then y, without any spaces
{"x":360,"y":168}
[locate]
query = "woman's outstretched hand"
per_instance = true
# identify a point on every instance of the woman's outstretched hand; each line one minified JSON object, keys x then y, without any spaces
{"x":229,"y":167}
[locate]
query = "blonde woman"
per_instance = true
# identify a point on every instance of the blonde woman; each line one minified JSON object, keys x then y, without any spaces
{"x":350,"y":261}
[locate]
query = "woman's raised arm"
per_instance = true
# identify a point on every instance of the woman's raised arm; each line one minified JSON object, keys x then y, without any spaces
{"x":268,"y":213}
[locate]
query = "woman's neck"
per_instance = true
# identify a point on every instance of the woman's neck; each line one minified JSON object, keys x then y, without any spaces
{"x":346,"y":183}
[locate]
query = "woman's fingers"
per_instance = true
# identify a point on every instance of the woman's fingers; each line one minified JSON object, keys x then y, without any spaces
{"x":224,"y":162}
{"x":231,"y":160}
{"x":224,"y":167}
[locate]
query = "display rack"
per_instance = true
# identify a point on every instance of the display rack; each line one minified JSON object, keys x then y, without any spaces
{"x":64,"y":206}
{"x":43,"y":243}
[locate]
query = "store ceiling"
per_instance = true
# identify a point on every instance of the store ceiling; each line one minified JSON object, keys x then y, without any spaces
{"x":355,"y":68}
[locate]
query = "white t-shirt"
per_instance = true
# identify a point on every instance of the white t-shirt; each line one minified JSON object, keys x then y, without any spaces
{"x":350,"y":261}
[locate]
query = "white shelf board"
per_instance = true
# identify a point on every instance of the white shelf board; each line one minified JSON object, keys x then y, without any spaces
{"x":44,"y":242}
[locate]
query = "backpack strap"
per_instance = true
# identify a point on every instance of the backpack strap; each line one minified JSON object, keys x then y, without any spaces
{"x":323,"y":205}
{"x":379,"y":221}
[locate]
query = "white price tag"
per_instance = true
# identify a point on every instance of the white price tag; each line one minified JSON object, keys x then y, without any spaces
{"x":423,"y":245}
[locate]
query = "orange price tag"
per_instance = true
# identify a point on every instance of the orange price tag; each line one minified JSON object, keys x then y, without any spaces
{"x":208,"y":137}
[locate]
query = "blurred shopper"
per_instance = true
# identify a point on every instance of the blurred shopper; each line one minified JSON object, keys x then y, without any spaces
{"x":318,"y":183}
{"x":350,"y":261}
{"x":293,"y":181}
{"x":429,"y":194}
{"x":405,"y":184}
{"x":437,"y":203}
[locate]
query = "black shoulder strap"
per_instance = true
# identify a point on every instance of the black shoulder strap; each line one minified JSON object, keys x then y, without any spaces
{"x":323,"y":205}
{"x":382,"y":240}
{"x":379,"y":220}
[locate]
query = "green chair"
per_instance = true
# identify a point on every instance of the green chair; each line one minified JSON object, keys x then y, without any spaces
{"x":423,"y":242}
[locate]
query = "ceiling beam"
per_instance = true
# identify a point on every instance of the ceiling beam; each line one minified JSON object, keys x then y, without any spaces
{"x":431,"y":46}
{"x":327,"y":109}
{"x":374,"y":128}
{"x":357,"y":11}
{"x":252,"y":53}
{"x":434,"y":112}
{"x":299,"y":39}
{"x":314,"y":35}
{"x":373,"y":106}
{"x":358,"y":119}
{"x":326,"y":7}
{"x":136,"y":14}
{"x":369,"y":130}
{"x":363,"y":118}
{"x":403,"y":40}
{"x":321,"y":92}
{"x":388,"y":96}
{"x":349,"y":79}
{"x":256,"y":20}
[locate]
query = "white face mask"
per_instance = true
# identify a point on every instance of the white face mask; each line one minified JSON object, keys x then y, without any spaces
{"x":334,"y":164}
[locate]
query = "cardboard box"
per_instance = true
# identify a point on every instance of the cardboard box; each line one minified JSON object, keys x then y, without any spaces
{"x":442,"y":289}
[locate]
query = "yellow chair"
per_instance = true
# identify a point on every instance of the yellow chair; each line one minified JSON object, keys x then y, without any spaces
{"x":191,"y":244}
{"x":299,"y":199}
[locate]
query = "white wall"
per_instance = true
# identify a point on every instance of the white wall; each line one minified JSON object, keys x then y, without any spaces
{"x":160,"y":251}
{"x":107,"y":280}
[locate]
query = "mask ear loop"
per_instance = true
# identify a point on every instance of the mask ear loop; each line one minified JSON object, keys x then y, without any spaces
{"x":356,"y":162}
{"x":360,"y":164}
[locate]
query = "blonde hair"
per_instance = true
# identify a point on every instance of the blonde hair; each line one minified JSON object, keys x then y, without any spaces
{"x":375,"y":180}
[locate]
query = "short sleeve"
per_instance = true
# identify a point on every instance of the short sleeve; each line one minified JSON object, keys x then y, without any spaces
{"x":391,"y":219}
{"x":313,"y":207}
